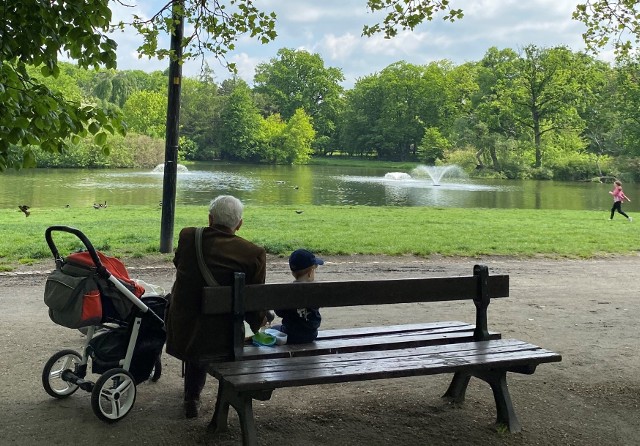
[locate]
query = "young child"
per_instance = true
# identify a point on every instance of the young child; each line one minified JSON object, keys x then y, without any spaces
{"x":301,"y":325}
{"x":618,"y":198}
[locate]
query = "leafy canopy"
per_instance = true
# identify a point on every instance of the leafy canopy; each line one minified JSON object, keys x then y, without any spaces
{"x":37,"y":32}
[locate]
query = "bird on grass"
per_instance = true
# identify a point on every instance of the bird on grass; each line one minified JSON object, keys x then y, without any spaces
{"x":299,"y":212}
{"x":24,"y":208}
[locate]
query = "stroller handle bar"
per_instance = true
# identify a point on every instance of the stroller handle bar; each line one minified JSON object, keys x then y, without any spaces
{"x":100,"y":269}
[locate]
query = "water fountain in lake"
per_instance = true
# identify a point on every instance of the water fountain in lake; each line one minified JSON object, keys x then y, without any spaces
{"x":179,"y":168}
{"x":437,"y":173}
{"x":397,"y":176}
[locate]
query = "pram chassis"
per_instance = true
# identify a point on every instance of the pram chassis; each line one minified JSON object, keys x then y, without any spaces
{"x":113,"y":394}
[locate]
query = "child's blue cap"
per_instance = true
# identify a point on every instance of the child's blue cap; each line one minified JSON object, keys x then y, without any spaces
{"x":302,"y":259}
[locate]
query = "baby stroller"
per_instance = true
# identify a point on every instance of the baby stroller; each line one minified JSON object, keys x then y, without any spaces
{"x":124,"y":326}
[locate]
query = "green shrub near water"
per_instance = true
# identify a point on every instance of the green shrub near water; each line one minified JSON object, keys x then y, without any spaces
{"x":133,"y":150}
{"x":134,"y":231}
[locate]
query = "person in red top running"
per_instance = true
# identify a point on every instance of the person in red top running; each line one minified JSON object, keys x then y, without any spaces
{"x":618,"y":198}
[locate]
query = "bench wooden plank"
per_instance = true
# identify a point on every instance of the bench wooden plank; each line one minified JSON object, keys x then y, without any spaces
{"x":345,"y":333}
{"x":277,"y":364}
{"x":271,"y":374}
{"x":273,"y":296}
{"x":363,"y":341}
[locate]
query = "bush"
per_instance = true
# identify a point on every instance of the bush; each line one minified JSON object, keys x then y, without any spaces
{"x":541,"y":173}
{"x":626,"y":169}
{"x":132,"y":151}
{"x":147,"y":151}
{"x":465,"y":158}
{"x":575,"y":167}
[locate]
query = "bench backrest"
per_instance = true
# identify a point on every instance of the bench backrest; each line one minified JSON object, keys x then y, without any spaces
{"x":239,"y":298}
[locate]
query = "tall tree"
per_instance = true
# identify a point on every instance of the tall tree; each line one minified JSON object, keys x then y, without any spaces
{"x":145,"y":113}
{"x":492,"y":118}
{"x":297,"y":137}
{"x":239,"y":127}
{"x":298,"y":79}
{"x":200,"y":106}
{"x":388,"y":112}
{"x":545,"y":93}
{"x":627,"y":83}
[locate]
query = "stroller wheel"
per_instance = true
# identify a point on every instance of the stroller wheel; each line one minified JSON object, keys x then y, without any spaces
{"x":156,"y":371}
{"x":113,"y":395}
{"x":53,"y":373}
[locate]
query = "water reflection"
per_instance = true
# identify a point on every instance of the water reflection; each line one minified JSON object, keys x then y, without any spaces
{"x":295,"y":185}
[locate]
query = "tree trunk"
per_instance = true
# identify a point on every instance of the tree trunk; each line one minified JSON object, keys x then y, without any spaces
{"x":536,"y":136}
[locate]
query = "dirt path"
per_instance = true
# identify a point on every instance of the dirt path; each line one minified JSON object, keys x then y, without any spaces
{"x":586,"y":310}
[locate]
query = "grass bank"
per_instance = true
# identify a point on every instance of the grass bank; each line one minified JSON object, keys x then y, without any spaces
{"x":134,"y":231}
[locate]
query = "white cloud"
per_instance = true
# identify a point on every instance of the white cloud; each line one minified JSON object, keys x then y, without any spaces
{"x":245,"y":66}
{"x":333,"y":29}
{"x":338,"y":48}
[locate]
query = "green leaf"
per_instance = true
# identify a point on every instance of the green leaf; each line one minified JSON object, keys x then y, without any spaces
{"x":100,"y":138}
{"x":29,"y":159}
{"x":21,"y":122}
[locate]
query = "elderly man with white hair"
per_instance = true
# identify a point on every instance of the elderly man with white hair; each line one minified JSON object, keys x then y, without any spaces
{"x":192,"y":337}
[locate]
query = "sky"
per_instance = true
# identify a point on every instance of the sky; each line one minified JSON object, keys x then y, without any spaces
{"x":333,"y":28}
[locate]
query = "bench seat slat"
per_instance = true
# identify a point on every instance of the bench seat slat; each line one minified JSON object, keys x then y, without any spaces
{"x":267,"y":374}
{"x":277,"y":364}
{"x":373,"y":341}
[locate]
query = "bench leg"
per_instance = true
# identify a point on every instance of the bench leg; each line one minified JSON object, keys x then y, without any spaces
{"x":247,"y":422}
{"x":458,"y":387}
{"x":221,"y":414}
{"x":506,"y":415}
{"x":242,"y":402}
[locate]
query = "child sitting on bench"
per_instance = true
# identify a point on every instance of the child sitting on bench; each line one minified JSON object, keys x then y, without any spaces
{"x":301,"y":325}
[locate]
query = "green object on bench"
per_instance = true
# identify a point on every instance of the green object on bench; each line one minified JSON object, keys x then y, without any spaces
{"x":368,"y":353}
{"x":264,"y":339}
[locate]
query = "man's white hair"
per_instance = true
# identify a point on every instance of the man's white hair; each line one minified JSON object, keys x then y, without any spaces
{"x":226,"y":210}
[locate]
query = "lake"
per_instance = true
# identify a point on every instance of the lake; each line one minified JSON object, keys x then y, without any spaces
{"x":298,"y":185}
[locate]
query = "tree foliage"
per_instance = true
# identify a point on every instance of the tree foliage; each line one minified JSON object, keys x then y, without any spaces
{"x":407,"y":14}
{"x":239,"y":126}
{"x":298,"y":79}
{"x":146,"y":113}
{"x":214,"y":27}
{"x":610,"y":23}
{"x":33,"y":33}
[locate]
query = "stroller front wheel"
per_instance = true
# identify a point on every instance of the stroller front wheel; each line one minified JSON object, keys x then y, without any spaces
{"x":113,"y":395}
{"x":53,"y":379}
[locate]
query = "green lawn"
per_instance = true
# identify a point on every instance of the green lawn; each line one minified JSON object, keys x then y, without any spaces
{"x":134,"y":231}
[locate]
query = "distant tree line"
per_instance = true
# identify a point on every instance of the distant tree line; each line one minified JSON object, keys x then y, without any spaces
{"x":535,"y":113}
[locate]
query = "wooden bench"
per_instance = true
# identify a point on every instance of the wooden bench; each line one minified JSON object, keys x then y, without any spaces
{"x":360,"y":354}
